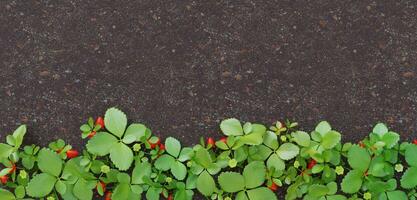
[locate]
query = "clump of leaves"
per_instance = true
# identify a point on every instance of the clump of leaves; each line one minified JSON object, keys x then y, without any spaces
{"x":125,"y":161}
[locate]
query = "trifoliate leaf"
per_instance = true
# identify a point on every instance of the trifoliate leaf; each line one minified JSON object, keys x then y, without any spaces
{"x":352,"y":182}
{"x":231,"y":181}
{"x":41,"y":185}
{"x":359,"y":158}
{"x":121,"y":156}
{"x":164,"y":162}
{"x":101,"y":143}
{"x":173,"y":146}
{"x":206,"y":184}
{"x":49,"y":162}
{"x":288,"y":151}
{"x":231,"y":126}
{"x":254,"y":174}
{"x":115,"y":121}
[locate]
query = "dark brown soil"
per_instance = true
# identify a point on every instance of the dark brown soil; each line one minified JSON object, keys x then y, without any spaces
{"x":182,"y":66}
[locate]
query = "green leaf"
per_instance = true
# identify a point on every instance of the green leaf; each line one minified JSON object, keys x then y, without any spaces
{"x":231,"y":181}
{"x":254,"y":138}
{"x":19,"y":192}
{"x":254,"y":174}
{"x":179,"y":170}
{"x":317,"y":190}
{"x":136,"y":130}
{"x":203,"y":158}
{"x":380,"y":129}
{"x":121,"y":156}
{"x":173,"y":146}
{"x":41,"y":185}
{"x":410,"y":155}
{"x":288,"y":151}
{"x":275,"y":162}
{"x":352,"y":182}
{"x":164,"y":162}
{"x":231,"y":126}
{"x":82,"y":191}
{"x":18,"y":135}
{"x":241,"y":196}
{"x":301,"y":138}
{"x":115,"y":121}
{"x":359,"y":158}
{"x":390,"y":139}
{"x":49,"y":162}
{"x":323,"y":127}
{"x":409,"y":178}
{"x":330,"y":139}
{"x":60,"y":187}
{"x":261,"y":193}
{"x":101,"y":143}
{"x":6,"y":195}
{"x":397,"y":195}
{"x":270,"y":140}
{"x":5,"y":150}
{"x":206,"y":184}
{"x":121,"y":192}
{"x":141,"y":170}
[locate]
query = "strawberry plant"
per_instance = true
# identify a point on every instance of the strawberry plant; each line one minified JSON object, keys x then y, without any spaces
{"x":251,"y":162}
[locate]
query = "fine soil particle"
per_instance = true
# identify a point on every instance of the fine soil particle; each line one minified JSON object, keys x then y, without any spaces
{"x":182,"y":66}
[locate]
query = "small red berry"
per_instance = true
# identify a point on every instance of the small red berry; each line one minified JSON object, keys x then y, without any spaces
{"x":72,"y":153}
{"x":90,"y":135}
{"x":153,"y":145}
{"x":107,"y":196}
{"x":274,"y":187}
{"x":100,"y":122}
{"x":3,"y":179}
{"x":210,"y":141}
{"x":361,"y":144}
{"x":102,"y":184}
{"x":223,"y":139}
{"x":161,"y":147}
{"x":170,"y":197}
{"x":311,"y":164}
{"x":415,"y":141}
{"x":13,"y":168}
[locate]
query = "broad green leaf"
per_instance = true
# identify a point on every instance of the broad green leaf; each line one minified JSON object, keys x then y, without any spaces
{"x":179,"y":170}
{"x":275,"y":162}
{"x":82,"y":191}
{"x":206,"y":184}
{"x":397,"y":195}
{"x":121,"y":156}
{"x":390,"y":139}
{"x":254,"y":174}
{"x":101,"y":143}
{"x":136,"y":130}
{"x":411,"y":155}
{"x":6,"y":195}
{"x":115,"y":121}
{"x":336,"y":197}
{"x":49,"y":162}
{"x":231,"y":181}
{"x":301,"y":138}
{"x":5,"y":150}
{"x":409,"y":178}
{"x":40,"y":185}
{"x":60,"y":187}
{"x":352,"y":182}
{"x":323,"y":127}
{"x":330,"y":139}
{"x":121,"y":192}
{"x":254,"y":138}
{"x":203,"y":158}
{"x":153,"y":193}
{"x":164,"y":162}
{"x":141,"y":170}
{"x":317,"y":190}
{"x":20,"y":192}
{"x":380,"y":129}
{"x":241,"y":196}
{"x":18,"y":135}
{"x":247,"y":127}
{"x":231,"y":126}
{"x":288,"y":151}
{"x":261,"y":193}
{"x":270,"y":140}
{"x":359,"y":158}
{"x":173,"y":146}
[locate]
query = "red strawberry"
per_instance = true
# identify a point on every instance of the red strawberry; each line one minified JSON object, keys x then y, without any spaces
{"x":274,"y":187}
{"x":107,"y":196}
{"x":100,"y":122}
{"x":223,"y":139}
{"x":210,"y":141}
{"x":90,"y":135}
{"x":102,"y":184}
{"x":311,"y":164}
{"x":161,"y":147}
{"x":170,"y":197}
{"x":13,"y":169}
{"x":153,"y":145}
{"x":415,"y":141}
{"x":3,"y":179}
{"x":72,"y":153}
